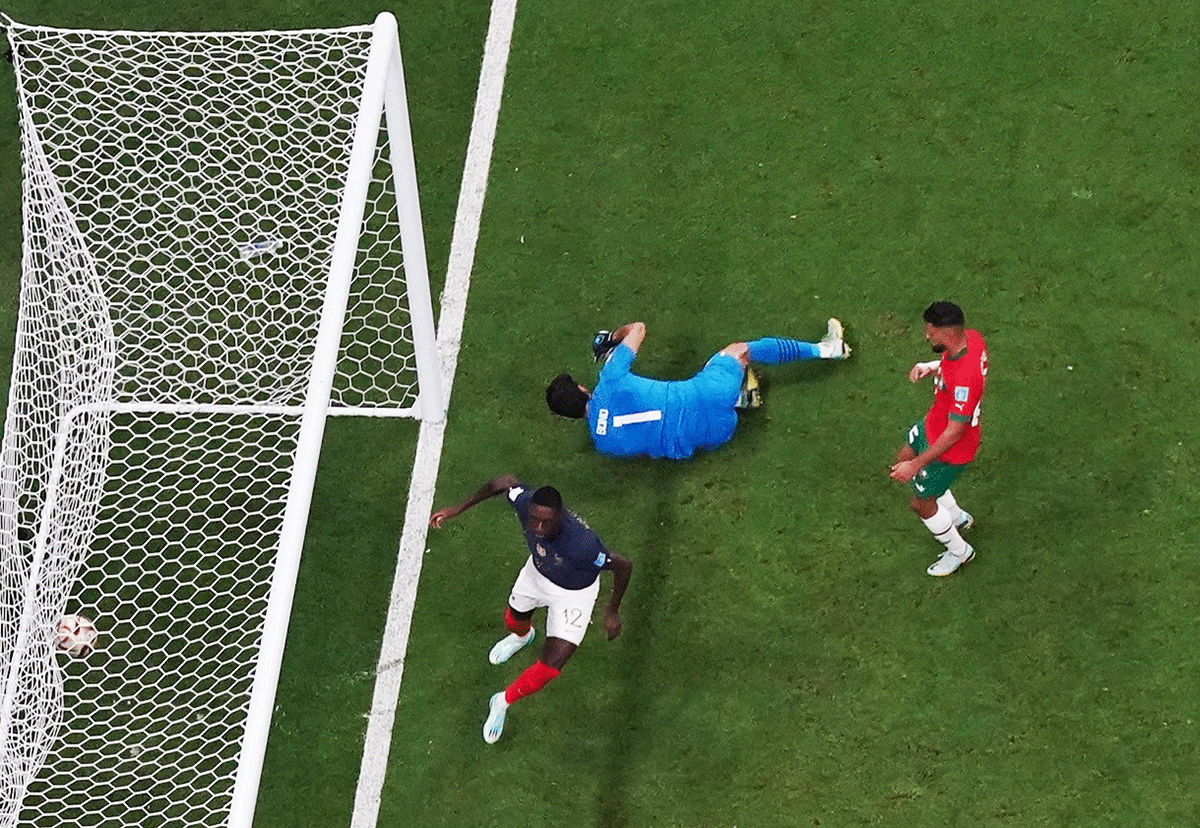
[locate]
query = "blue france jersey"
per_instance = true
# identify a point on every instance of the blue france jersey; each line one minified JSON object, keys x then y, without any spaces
{"x":630,"y":415}
{"x":573,"y":558}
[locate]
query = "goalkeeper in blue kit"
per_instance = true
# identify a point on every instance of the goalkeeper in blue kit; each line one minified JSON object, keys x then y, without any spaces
{"x":629,"y":415}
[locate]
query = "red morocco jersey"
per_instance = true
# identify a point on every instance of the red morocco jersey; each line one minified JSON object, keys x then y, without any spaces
{"x":957,"y":394}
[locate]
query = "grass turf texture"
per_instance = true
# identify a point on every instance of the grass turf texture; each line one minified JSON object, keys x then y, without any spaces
{"x":724,"y":172}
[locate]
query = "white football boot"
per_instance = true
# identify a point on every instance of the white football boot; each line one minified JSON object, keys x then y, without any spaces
{"x":494,"y":725}
{"x":949,"y":562}
{"x":833,"y":343}
{"x":505,"y":647}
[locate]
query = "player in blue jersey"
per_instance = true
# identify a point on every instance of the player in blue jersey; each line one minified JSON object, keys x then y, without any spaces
{"x":629,"y":415}
{"x":562,"y":574}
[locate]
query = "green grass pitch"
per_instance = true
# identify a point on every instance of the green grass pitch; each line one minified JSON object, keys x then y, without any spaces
{"x":723,"y":171}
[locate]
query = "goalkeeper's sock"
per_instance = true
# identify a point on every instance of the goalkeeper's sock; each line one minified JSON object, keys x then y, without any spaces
{"x":941,"y":525}
{"x":515,"y":625}
{"x":773,"y":351}
{"x":535,"y":677}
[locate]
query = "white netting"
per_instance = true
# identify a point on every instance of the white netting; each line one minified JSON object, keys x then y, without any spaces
{"x":181,"y":199}
{"x":205,"y":173}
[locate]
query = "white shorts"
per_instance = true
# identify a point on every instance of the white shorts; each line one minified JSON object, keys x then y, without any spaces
{"x":568,"y":611}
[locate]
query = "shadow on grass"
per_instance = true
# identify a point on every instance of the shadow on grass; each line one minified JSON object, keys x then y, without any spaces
{"x":659,"y":482}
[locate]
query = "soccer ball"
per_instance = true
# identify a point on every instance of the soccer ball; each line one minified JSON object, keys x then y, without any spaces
{"x":75,"y":635}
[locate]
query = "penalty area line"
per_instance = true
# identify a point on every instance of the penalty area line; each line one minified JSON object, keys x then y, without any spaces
{"x":394,"y":647}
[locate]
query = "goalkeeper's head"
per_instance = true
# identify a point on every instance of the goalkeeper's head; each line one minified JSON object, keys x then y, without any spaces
{"x":567,"y":398}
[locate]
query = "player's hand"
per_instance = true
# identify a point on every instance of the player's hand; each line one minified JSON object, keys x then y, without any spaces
{"x":612,"y":624}
{"x":921,"y":370}
{"x":904,"y":471}
{"x":440,"y":516}
{"x":602,"y":343}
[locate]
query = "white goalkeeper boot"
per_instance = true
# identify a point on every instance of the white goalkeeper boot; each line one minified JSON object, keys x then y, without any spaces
{"x":751,"y":396}
{"x":833,"y":343}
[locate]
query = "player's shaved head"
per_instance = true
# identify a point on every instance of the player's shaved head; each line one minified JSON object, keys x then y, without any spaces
{"x":545,"y":515}
{"x":944,"y":315}
{"x":547,"y":496}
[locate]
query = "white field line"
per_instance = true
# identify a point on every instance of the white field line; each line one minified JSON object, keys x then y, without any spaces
{"x":429,"y":443}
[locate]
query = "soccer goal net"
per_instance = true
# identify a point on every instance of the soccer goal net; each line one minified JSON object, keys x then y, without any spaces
{"x":222,"y":247}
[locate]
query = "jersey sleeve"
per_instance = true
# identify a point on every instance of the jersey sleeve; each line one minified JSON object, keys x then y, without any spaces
{"x":602,"y":560}
{"x":518,"y":498}
{"x":618,"y":363}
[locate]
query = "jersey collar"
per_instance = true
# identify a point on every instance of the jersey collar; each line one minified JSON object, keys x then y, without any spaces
{"x":958,"y":354}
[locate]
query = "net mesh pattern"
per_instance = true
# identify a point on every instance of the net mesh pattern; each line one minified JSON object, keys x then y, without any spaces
{"x":181,"y":195}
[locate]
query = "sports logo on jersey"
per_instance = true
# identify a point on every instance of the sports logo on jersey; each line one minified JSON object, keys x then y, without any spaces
{"x":541,"y":550}
{"x":961,"y":393}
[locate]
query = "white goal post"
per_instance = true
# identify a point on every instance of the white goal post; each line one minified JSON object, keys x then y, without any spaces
{"x":222,"y":246}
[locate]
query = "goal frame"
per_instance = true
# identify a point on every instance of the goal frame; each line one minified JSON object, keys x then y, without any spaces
{"x":383,"y":98}
{"x":383,"y":91}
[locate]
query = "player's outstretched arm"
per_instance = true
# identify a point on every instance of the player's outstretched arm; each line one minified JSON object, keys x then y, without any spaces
{"x":622,"y":570}
{"x":922,"y":370}
{"x":493,"y":487}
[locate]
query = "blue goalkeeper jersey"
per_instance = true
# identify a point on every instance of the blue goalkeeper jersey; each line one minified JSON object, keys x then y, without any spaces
{"x":630,"y":415}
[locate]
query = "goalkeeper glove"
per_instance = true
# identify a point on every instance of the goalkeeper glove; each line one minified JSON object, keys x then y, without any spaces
{"x":602,"y":343}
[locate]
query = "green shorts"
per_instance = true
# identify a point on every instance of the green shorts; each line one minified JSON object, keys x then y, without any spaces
{"x":936,"y":477}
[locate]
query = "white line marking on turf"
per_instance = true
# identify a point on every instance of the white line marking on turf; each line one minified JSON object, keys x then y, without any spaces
{"x":429,"y":442}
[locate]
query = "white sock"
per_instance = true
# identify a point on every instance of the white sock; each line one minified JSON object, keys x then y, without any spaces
{"x":947,"y":501}
{"x":941,"y":525}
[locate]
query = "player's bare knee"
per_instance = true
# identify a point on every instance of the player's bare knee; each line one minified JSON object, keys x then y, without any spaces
{"x":739,"y":351}
{"x":924,"y":507}
{"x":556,"y":652}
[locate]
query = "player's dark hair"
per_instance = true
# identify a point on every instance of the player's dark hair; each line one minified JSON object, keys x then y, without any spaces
{"x":547,"y":496}
{"x":944,"y":315}
{"x":565,"y":398}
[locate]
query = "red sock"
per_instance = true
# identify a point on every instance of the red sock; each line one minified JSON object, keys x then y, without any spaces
{"x":515,"y":625}
{"x":535,"y":677}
